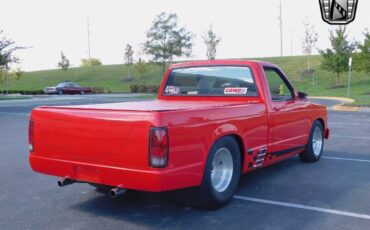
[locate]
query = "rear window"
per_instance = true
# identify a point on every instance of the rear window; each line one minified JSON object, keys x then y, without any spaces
{"x":211,"y":81}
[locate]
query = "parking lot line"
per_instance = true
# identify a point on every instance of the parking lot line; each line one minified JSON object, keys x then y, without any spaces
{"x":306,"y":207}
{"x":346,"y":159}
{"x":351,"y":137}
{"x":341,"y":123}
{"x":23,"y":114}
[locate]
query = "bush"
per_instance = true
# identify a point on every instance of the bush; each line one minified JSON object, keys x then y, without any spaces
{"x":85,"y":62}
{"x":134,"y":88}
{"x":153,"y":88}
{"x":144,"y":88}
{"x":25,"y":92}
{"x":97,"y":90}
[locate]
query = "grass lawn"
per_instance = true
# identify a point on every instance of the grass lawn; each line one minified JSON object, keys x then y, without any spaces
{"x":111,"y":77}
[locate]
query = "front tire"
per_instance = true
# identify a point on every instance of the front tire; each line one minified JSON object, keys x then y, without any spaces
{"x":60,"y":92}
{"x":221,"y":174}
{"x":315,"y":144}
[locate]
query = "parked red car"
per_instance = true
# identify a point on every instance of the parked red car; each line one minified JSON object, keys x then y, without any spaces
{"x":212,"y":122}
{"x":67,"y":88}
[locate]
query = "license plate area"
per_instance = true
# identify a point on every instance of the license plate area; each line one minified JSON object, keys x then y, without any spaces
{"x":85,"y":173}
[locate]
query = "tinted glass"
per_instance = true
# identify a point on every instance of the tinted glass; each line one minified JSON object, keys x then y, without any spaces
{"x":211,"y":81}
{"x":278,"y":88}
{"x":61,"y":85}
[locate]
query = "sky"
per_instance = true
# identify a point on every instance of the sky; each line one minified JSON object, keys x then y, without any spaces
{"x":248,"y":28}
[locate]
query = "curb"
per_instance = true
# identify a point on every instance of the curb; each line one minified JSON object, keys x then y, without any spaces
{"x":341,"y":106}
{"x":14,"y":97}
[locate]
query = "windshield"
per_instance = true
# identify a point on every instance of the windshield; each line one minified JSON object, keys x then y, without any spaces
{"x":211,"y":81}
{"x":62,"y":84}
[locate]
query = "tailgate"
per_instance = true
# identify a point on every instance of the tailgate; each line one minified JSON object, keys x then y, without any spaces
{"x":111,"y":138}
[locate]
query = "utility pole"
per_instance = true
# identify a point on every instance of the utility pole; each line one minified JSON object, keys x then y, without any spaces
{"x":281,"y":29}
{"x":88,"y":39}
{"x":349,"y":76}
{"x":7,"y":76}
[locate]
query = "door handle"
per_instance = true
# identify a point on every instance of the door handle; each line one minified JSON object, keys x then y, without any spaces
{"x":275,"y":109}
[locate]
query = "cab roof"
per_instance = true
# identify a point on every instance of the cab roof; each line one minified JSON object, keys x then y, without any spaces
{"x":220,"y":62}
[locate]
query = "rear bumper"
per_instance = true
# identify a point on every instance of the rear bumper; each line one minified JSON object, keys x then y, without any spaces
{"x":50,"y":91}
{"x":155,"y":180}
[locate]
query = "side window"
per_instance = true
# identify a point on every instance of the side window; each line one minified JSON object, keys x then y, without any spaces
{"x":279,"y":90}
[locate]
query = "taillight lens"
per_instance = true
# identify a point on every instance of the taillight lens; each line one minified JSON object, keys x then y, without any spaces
{"x":158,"y":147}
{"x":30,"y":135}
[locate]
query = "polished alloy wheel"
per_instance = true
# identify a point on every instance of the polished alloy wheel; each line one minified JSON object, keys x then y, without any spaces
{"x":222,"y":170}
{"x":317,"y":141}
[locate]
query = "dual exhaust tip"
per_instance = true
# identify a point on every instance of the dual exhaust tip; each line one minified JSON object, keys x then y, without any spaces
{"x":114,"y":192}
{"x":117,"y":192}
{"x":65,"y":181}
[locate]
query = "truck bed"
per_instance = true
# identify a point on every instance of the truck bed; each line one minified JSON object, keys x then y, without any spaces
{"x":83,"y":141}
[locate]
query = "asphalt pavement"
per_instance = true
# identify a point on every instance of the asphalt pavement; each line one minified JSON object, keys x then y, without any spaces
{"x":330,"y":194}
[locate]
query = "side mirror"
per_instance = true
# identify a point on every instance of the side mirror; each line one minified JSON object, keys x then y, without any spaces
{"x":302,"y":96}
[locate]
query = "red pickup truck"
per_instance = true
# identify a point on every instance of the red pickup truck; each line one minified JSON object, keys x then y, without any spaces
{"x":211,"y":122}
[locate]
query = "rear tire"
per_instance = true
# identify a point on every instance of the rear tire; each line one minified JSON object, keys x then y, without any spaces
{"x":221,"y":175}
{"x":315,"y":144}
{"x":82,"y":92}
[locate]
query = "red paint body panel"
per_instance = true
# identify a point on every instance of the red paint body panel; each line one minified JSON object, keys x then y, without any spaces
{"x":108,"y":143}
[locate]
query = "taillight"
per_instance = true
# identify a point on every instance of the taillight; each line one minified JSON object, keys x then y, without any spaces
{"x":30,"y":135}
{"x":158,"y":147}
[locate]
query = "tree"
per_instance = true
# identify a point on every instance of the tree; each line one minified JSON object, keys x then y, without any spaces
{"x":7,"y":56}
{"x":140,"y":67}
{"x":85,"y":62}
{"x":18,"y":73}
{"x":7,"y":51}
{"x":362,"y":59}
{"x":211,"y":40}
{"x":166,"y":40}
{"x":309,"y":41}
{"x":129,"y":58}
{"x":336,"y":58}
{"x":64,"y":63}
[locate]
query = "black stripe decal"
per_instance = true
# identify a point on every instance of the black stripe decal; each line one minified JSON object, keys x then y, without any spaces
{"x":287,"y":151}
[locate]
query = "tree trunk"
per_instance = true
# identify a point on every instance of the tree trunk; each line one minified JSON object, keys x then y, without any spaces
{"x":308,"y":62}
{"x":163,"y":67}
{"x":338,"y":78}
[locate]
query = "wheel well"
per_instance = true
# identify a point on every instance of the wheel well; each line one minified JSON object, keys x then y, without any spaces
{"x":322,"y":123}
{"x":239,"y":140}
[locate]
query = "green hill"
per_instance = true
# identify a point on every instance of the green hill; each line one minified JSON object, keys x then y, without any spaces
{"x":113,"y":78}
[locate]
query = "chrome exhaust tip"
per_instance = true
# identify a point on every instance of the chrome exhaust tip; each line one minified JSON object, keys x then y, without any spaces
{"x":116,"y":192}
{"x":65,"y":181}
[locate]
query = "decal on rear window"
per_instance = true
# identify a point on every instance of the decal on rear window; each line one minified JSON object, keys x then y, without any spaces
{"x":236,"y":90}
{"x":170,"y":89}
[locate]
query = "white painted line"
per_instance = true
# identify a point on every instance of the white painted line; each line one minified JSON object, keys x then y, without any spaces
{"x":346,"y":159}
{"x":351,"y":137}
{"x":306,"y":207}
{"x":338,"y":123}
{"x":22,"y":114}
